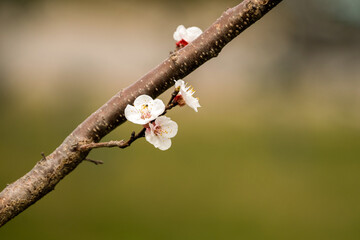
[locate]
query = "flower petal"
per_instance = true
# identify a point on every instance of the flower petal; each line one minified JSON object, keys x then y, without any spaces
{"x":179,"y":83}
{"x":152,"y":138}
{"x":132,"y":114}
{"x":192,"y":33}
{"x":156,"y":108}
{"x":191,"y":101}
{"x":142,"y":100}
{"x":149,"y":135}
{"x":179,"y":33}
{"x":164,"y":143}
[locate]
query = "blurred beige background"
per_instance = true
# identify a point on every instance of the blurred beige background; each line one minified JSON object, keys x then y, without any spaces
{"x":272,"y":154}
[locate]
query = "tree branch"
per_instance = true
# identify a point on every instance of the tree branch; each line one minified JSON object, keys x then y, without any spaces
{"x":25,"y":191}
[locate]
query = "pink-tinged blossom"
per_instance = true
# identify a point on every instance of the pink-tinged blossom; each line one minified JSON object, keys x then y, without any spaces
{"x":184,"y":36}
{"x":145,"y":110}
{"x":185,"y":95}
{"x":160,"y":131}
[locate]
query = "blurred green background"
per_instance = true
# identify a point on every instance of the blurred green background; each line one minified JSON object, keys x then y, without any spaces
{"x":272,"y":154}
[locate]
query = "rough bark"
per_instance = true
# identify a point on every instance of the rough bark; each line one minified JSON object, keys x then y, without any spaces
{"x":24,"y":192}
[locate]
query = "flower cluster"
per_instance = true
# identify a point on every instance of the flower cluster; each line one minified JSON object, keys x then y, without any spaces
{"x":184,"y":36}
{"x":148,"y":112}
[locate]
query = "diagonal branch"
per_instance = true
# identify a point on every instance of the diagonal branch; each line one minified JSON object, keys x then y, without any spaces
{"x":25,"y":191}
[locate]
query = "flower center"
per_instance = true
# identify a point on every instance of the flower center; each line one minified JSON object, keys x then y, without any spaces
{"x":158,"y":131}
{"x":145,"y":113}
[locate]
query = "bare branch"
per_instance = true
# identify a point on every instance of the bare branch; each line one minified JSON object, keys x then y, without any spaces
{"x":25,"y":191}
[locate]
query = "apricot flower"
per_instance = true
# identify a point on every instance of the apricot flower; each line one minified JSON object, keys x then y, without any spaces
{"x":160,"y":131}
{"x":145,"y":110}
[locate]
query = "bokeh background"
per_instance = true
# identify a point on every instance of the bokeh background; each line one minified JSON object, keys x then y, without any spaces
{"x":272,"y":154}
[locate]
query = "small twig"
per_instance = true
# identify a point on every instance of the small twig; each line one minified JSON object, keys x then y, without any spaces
{"x":119,"y":144}
{"x":169,"y":107}
{"x":134,"y":137}
{"x":43,"y":156}
{"x":173,"y":95}
{"x":171,"y":102}
{"x":96,"y":162}
{"x":109,"y":144}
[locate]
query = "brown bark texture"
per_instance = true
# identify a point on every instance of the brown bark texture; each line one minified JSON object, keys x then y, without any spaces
{"x":42,"y":179}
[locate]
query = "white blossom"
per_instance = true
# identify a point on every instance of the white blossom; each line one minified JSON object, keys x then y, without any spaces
{"x":160,"y":131}
{"x":186,"y":35}
{"x":185,"y":95}
{"x":145,"y":109}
